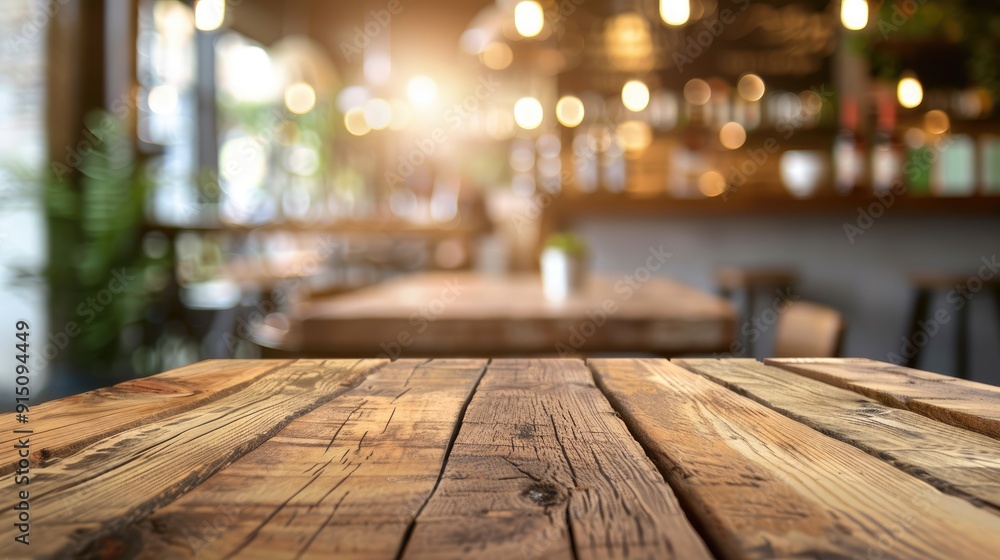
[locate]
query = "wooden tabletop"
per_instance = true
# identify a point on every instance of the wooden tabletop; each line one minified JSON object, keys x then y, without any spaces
{"x":467,"y":314}
{"x":630,"y":458}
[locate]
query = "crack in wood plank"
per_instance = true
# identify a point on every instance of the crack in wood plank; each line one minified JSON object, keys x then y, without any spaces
{"x":960,"y":462}
{"x":364,"y":505}
{"x":106,"y":486}
{"x":761,"y":485}
{"x":511,"y":491}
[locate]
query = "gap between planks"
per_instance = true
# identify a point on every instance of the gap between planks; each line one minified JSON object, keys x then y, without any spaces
{"x":543,"y":467}
{"x":765,"y":486}
{"x":959,"y":402}
{"x":957,"y":461}
{"x":389,"y":439}
{"x":124,"y":477}
{"x":444,"y":464}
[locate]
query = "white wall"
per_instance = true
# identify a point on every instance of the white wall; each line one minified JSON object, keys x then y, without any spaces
{"x":867,"y":281}
{"x":22,"y":246}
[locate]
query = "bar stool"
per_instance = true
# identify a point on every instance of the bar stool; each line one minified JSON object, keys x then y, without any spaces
{"x":925,"y":286}
{"x":751,"y":282}
{"x":809,"y":330}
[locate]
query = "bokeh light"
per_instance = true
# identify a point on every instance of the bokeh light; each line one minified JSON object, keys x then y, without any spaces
{"x":163,"y":100}
{"x":675,"y":12}
{"x":209,"y":14}
{"x":570,"y":111}
{"x":697,"y":92}
{"x":732,"y":135}
{"x":528,"y":18}
{"x":422,"y":91}
{"x":751,"y":87}
{"x":909,"y":92}
{"x":712,"y":183}
{"x":528,"y":113}
{"x":854,"y":14}
{"x":497,"y":55}
{"x":634,"y":136}
{"x":300,"y":98}
{"x":378,"y":113}
{"x":354,"y":122}
{"x":937,"y":122}
{"x":635,"y":95}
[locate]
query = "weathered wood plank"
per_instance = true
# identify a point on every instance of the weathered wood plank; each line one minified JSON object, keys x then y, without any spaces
{"x":542,"y":467}
{"x":344,"y":481}
{"x":764,"y":486}
{"x":954,"y":460}
{"x":124,"y":477}
{"x":958,"y":402}
{"x":64,"y":426}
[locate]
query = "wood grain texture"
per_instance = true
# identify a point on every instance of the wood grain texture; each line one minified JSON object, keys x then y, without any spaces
{"x":764,"y":486}
{"x":466,"y":314}
{"x":543,"y":468}
{"x":119,"y":479}
{"x":344,"y":481}
{"x":954,"y":460}
{"x":67,"y":425}
{"x":958,"y":402}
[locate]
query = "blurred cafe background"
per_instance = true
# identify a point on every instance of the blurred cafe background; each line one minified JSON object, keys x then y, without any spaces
{"x":192,"y":179}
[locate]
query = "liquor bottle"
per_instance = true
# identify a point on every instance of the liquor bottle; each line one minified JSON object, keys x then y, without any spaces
{"x":887,"y":151}
{"x":989,"y":157}
{"x":955,"y":174}
{"x":917,"y":167}
{"x":847,"y":149}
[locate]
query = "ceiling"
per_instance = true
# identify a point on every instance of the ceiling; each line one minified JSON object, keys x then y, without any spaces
{"x":423,"y":33}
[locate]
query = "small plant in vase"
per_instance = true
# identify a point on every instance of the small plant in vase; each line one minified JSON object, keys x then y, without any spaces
{"x":563,"y":265}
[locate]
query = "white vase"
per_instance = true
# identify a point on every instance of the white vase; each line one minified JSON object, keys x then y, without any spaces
{"x":562,"y":273}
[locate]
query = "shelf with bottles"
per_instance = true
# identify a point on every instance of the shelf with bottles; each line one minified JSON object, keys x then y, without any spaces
{"x":788,"y":147}
{"x":341,"y":227}
{"x":943,"y":142}
{"x":571,"y":207}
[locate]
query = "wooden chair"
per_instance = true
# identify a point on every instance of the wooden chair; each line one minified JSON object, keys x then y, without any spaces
{"x":809,"y":330}
{"x":926,"y":286}
{"x":751,"y":283}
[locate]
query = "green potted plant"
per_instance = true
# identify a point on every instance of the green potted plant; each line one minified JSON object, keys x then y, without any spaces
{"x":563,"y":265}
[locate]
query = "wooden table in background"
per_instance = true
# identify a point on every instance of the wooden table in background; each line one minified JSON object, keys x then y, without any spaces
{"x":636,"y":458}
{"x":464,"y":314}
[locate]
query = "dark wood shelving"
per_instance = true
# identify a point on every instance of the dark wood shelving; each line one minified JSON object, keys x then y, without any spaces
{"x":571,"y":207}
{"x":389,"y":227}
